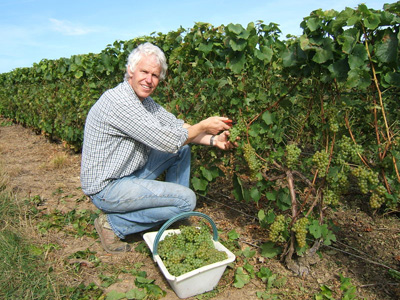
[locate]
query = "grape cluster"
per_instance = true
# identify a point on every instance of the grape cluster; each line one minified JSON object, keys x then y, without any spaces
{"x":251,"y":159}
{"x":331,"y":198}
{"x":339,"y":183}
{"x":376,"y":201}
{"x":334,"y":126}
{"x":377,"y":197}
{"x":277,"y":228}
{"x":236,"y":131}
{"x":188,"y":250}
{"x":365,"y":177}
{"x":332,"y":115}
{"x":321,"y":161}
{"x":300,"y":229}
{"x":293,"y":153}
{"x":348,"y":151}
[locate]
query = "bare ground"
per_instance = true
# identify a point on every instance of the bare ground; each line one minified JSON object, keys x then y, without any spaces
{"x":368,"y":244}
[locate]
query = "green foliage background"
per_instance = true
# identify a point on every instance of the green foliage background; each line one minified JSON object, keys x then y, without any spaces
{"x":335,"y":86}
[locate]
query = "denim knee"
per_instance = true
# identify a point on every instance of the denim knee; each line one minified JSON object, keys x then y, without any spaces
{"x":191,"y":201}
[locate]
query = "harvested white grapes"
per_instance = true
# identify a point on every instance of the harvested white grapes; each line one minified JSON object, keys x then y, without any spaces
{"x":188,"y":250}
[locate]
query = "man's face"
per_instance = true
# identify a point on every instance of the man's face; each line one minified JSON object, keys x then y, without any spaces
{"x":146,"y":76}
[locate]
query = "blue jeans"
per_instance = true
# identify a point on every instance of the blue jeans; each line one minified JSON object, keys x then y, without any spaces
{"x":139,"y":202}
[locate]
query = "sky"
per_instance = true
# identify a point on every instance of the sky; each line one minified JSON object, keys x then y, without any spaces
{"x":32,"y":30}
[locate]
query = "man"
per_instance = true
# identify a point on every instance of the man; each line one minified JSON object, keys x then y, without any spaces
{"x":130,"y":140}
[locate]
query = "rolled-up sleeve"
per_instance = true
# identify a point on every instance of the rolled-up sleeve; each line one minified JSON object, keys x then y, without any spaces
{"x":150,"y":124}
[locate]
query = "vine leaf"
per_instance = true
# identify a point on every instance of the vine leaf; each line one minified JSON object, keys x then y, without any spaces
{"x":269,"y":250}
{"x":241,"y":278}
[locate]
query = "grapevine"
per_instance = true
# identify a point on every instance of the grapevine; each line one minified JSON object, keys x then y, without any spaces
{"x":300,"y":228}
{"x":191,"y":249}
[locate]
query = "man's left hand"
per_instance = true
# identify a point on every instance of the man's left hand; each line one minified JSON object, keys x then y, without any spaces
{"x":222,"y":141}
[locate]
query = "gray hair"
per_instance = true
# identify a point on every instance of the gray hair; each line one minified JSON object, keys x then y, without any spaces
{"x":146,"y":49}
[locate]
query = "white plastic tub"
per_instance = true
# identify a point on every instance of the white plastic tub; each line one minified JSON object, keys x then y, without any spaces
{"x":195,"y":282}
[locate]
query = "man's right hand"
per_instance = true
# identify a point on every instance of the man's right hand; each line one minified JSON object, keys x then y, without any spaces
{"x":214,"y":125}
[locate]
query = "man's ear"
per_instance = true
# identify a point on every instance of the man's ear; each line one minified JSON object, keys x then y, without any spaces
{"x":128,"y":69}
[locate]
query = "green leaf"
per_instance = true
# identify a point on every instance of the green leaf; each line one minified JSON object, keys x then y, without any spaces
{"x":315,"y":229}
{"x":135,"y":294}
{"x":237,"y":29}
{"x":255,"y":194}
{"x":269,"y":250}
{"x":199,"y":184}
{"x":205,"y":48}
{"x":249,"y":269}
{"x":349,"y":39}
{"x":264,"y":274}
{"x":358,"y":57}
{"x":271,"y":196}
{"x":241,"y":278}
{"x":264,"y":54}
{"x":313,"y":23}
{"x":207,"y":173}
{"x":114,"y":295}
{"x":386,"y":50}
{"x":238,"y":188}
{"x":238,"y":45}
{"x":154,"y":291}
{"x":233,"y":235}
{"x":339,"y":69}
{"x":372,"y":21}
{"x":322,"y":55}
{"x":78,"y":74}
{"x":359,"y":78}
{"x":268,"y":118}
{"x":289,"y":57}
{"x":392,"y":78}
{"x":305,"y":43}
{"x":248,"y":253}
{"x":329,"y":237}
{"x":142,"y":281}
{"x":284,"y":202}
{"x":237,"y":63}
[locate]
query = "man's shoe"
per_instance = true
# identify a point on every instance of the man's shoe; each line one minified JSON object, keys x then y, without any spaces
{"x":110,"y":242}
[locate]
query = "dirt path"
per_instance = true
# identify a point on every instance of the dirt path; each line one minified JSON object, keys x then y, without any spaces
{"x":37,"y":167}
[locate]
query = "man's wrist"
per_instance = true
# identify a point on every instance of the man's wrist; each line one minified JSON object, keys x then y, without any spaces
{"x":212,"y":142}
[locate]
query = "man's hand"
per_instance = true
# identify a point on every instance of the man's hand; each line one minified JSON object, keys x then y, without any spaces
{"x":221,"y":141}
{"x":214,"y":125}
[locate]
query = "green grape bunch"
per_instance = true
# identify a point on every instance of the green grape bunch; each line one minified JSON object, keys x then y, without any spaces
{"x":293,"y":153}
{"x":188,"y":250}
{"x":365,"y":178}
{"x":377,"y":198}
{"x":376,"y":201}
{"x":321,"y":161}
{"x":237,"y":131}
{"x":348,"y":151}
{"x":251,"y":158}
{"x":331,"y":198}
{"x":277,"y":228}
{"x":300,"y":230}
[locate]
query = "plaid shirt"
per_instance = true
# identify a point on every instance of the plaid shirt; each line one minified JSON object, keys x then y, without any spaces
{"x":119,"y":132}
